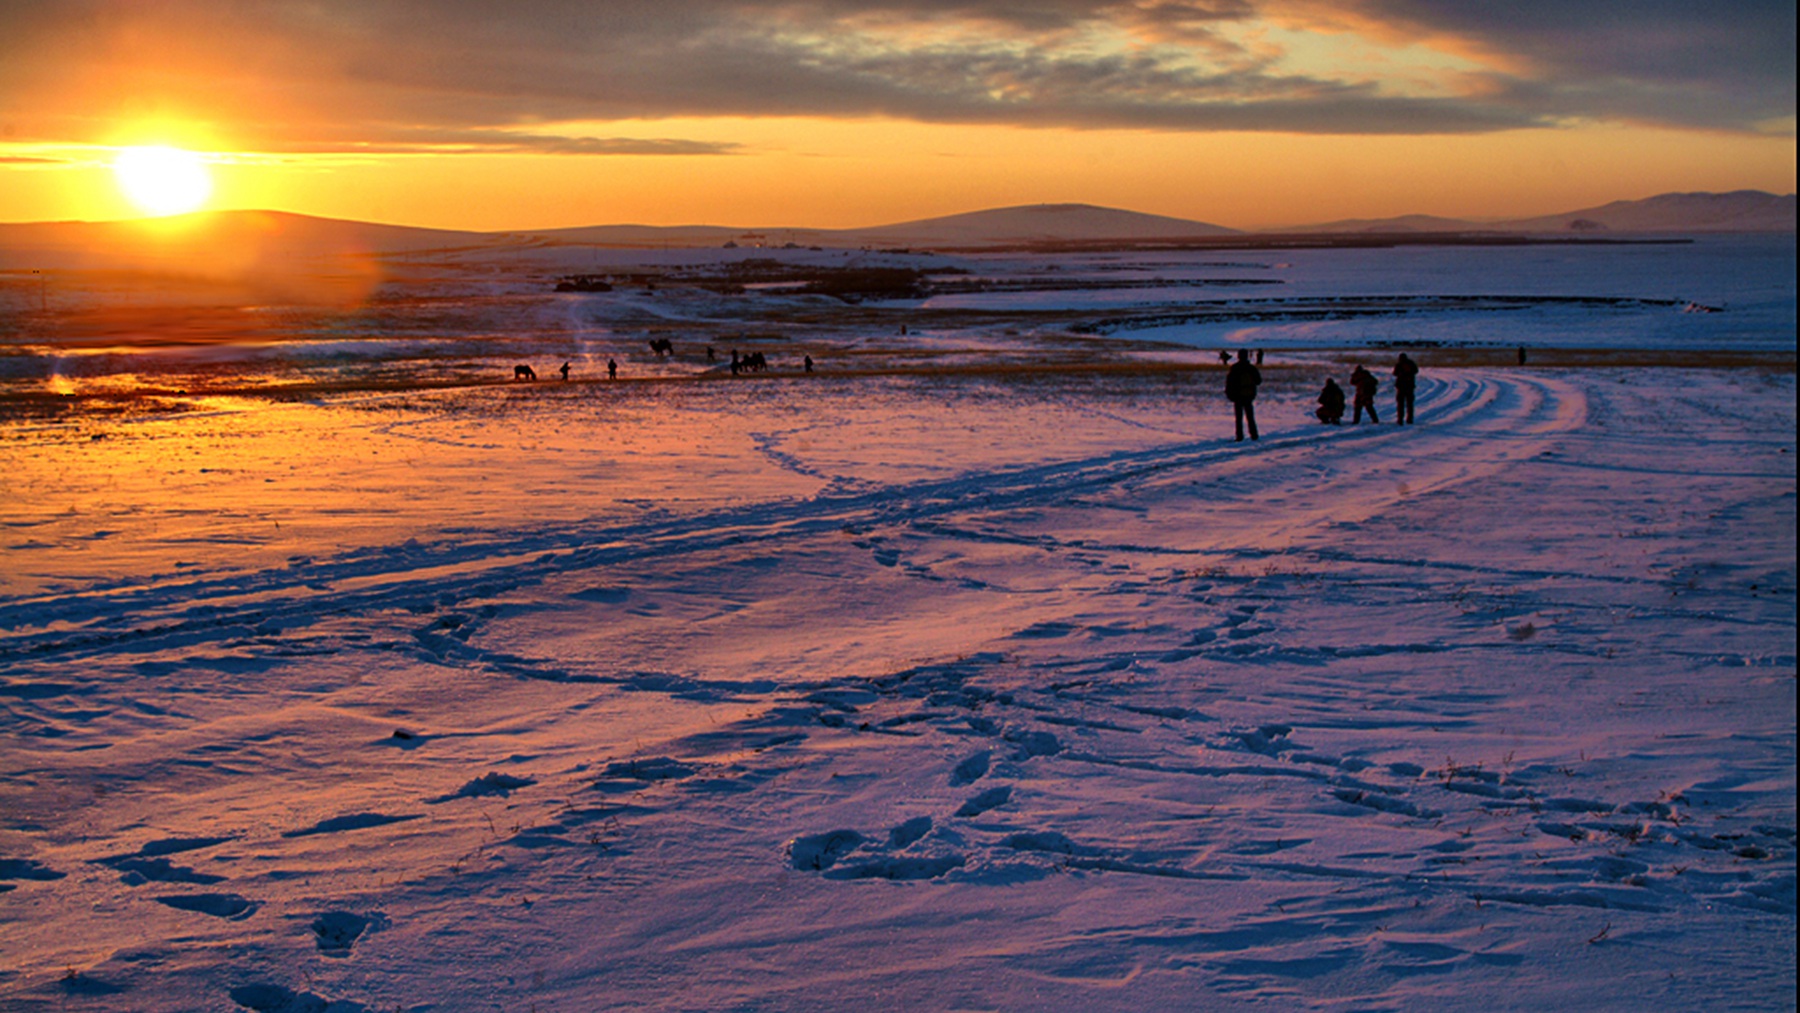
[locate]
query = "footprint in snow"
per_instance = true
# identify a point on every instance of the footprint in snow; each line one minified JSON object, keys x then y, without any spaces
{"x":971,"y":769}
{"x":906,"y":833}
{"x":990,"y":799}
{"x":635,"y":775}
{"x":353,"y":821}
{"x":138,"y":871}
{"x":1033,"y":743}
{"x":337,"y":931}
{"x":219,"y":905}
{"x":1269,"y":740}
{"x":486,"y":785}
{"x":819,"y":852}
{"x":25,"y":868}
{"x":829,"y":854}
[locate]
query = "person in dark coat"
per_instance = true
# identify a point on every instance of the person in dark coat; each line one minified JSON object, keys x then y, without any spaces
{"x":1331,"y":404}
{"x":612,"y":369}
{"x":1365,"y":384}
{"x":1241,"y":381}
{"x":1406,"y":374}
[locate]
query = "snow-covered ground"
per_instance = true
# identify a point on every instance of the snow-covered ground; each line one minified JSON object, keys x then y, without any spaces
{"x":952,"y":690}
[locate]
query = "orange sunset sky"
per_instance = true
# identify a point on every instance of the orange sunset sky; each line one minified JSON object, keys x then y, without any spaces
{"x":544,"y":113}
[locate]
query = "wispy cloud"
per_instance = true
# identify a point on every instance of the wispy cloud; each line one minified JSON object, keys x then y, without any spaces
{"x":465,"y":75}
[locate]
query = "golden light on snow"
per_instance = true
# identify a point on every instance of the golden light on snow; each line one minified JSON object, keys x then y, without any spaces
{"x":162,"y":180}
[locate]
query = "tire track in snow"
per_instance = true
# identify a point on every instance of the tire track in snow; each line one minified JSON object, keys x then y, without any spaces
{"x":1471,"y":424}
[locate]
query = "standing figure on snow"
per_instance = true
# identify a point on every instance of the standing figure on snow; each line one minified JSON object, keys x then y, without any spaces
{"x":612,"y":369}
{"x":565,"y":372}
{"x":1365,"y":384}
{"x":1331,"y":404}
{"x":1406,"y":374}
{"x":1241,"y":381}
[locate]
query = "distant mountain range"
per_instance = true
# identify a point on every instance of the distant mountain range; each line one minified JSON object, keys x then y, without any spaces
{"x":1050,"y":224}
{"x":1738,"y":211}
{"x":260,"y":241}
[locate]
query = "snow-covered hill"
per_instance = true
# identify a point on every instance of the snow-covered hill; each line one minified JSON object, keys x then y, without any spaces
{"x":1738,"y":211}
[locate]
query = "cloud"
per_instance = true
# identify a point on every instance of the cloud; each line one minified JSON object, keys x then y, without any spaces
{"x":470,"y":75}
{"x":453,"y":141}
{"x":1657,"y":61}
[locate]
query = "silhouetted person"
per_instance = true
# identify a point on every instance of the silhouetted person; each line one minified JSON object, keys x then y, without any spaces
{"x":1365,"y":385}
{"x":1241,"y":381}
{"x":1521,"y":355}
{"x":710,"y":356}
{"x":1259,"y":357}
{"x":565,"y":372}
{"x":1406,"y":374}
{"x":735,"y":364}
{"x":1331,"y":404}
{"x":808,"y":364}
{"x":612,"y":370}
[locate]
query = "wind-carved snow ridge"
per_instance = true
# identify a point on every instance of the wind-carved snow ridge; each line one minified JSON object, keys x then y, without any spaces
{"x":1120,"y":715}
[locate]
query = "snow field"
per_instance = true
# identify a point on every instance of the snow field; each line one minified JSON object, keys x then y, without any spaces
{"x":939,"y":694}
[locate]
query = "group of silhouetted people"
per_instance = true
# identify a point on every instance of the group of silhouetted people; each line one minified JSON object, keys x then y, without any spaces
{"x":1365,"y":384}
{"x":753,"y":362}
{"x":1242,"y":379}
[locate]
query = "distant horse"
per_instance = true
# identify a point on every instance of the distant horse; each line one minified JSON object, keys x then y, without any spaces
{"x":523,"y":372}
{"x":662,"y":346}
{"x":754,"y":362}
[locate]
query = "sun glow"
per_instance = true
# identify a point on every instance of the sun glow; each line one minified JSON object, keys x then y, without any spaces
{"x":162,"y":180}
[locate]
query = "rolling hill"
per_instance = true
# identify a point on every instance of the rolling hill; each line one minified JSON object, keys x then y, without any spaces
{"x":1738,"y":211}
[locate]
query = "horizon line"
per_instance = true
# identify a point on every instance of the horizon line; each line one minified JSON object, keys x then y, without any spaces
{"x":1246,"y":230}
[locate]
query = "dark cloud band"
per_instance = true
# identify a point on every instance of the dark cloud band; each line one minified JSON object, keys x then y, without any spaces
{"x":475,"y":76}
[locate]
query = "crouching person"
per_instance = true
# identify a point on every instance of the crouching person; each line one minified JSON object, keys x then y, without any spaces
{"x":1331,"y":404}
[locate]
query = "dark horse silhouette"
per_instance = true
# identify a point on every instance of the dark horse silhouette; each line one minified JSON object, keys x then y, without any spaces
{"x":662,"y":346}
{"x":523,"y":372}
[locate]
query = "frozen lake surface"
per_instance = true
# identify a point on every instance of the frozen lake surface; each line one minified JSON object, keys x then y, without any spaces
{"x":466,"y":316}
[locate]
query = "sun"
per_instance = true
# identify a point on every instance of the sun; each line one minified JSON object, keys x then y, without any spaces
{"x":162,"y":180}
